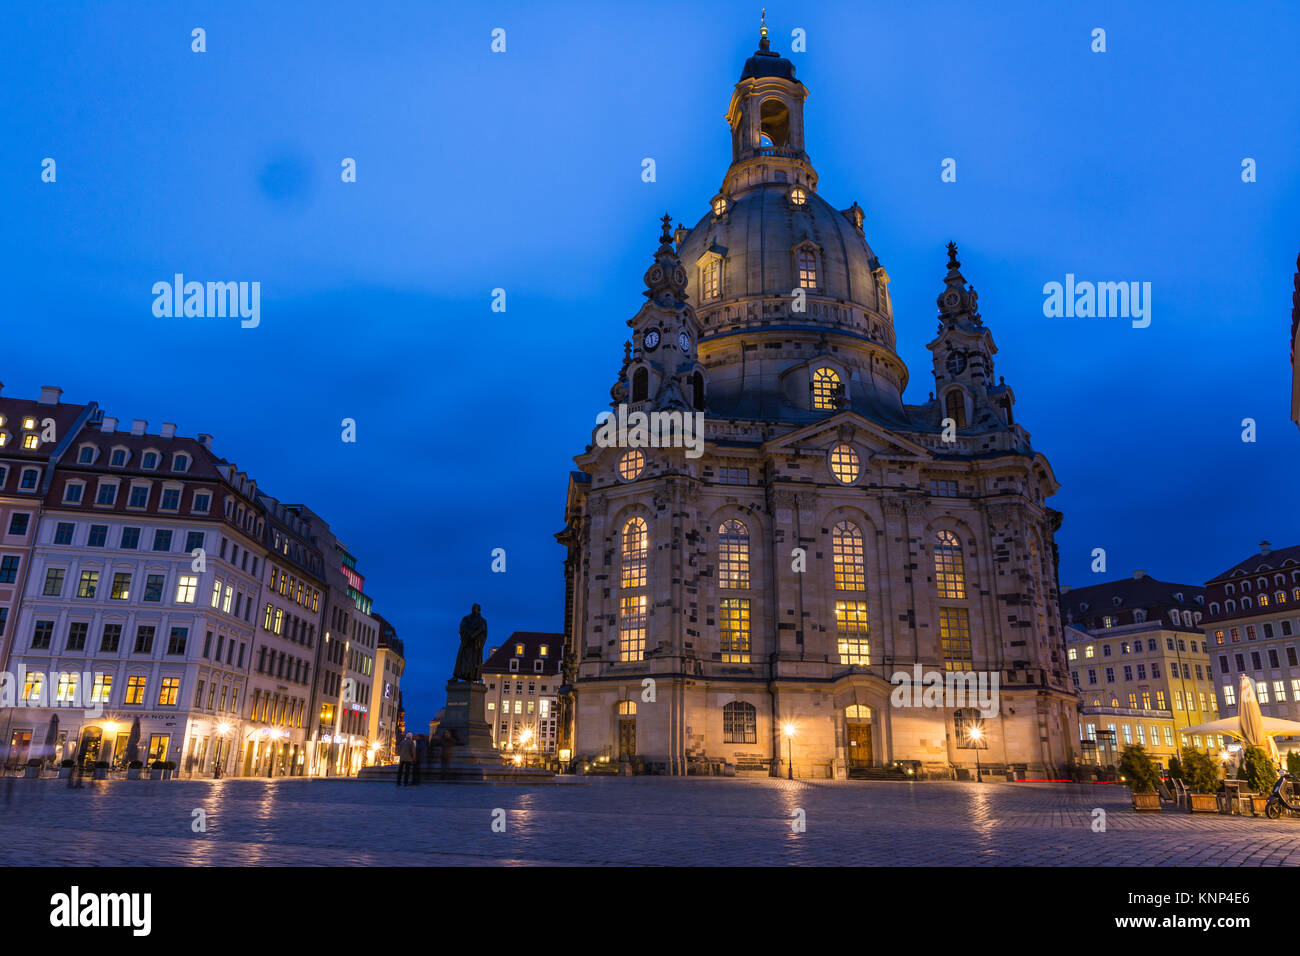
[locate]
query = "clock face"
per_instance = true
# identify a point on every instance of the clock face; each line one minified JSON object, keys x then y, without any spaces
{"x":956,"y":363}
{"x":684,"y":341}
{"x":652,"y":339}
{"x":951,"y":299}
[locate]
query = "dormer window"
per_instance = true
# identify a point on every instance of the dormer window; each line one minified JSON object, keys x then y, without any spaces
{"x":807,"y":264}
{"x":514,"y":664}
{"x":73,"y":491}
{"x":149,"y":461}
{"x":711,"y":279}
{"x":86,"y":455}
{"x":29,"y":479}
{"x":29,"y":424}
{"x":181,"y":463}
{"x":118,"y":458}
{"x":798,"y":196}
{"x":519,"y":650}
{"x":720,"y":206}
{"x":827,"y":390}
{"x":544,"y":650}
{"x":31,"y":441}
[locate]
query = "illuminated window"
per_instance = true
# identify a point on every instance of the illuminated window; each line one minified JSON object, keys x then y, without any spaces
{"x":632,"y":628}
{"x":807,"y":269}
{"x":89,"y":583}
{"x":31,"y":441}
{"x":121,"y":587}
{"x":733,"y":620}
{"x":851,"y":630}
{"x":719,"y":206}
{"x":135,"y":687}
{"x":627,"y":708}
{"x":949,"y":571}
{"x":797,"y":196}
{"x":845,"y":464}
{"x":102,"y":689}
{"x":733,"y":554}
{"x":826,"y":389}
{"x":225,"y":600}
{"x":739,"y":723}
{"x":33,"y":686}
{"x":1146,"y":700}
{"x":712,"y":275}
{"x":848,"y":558}
{"x":1261,"y":693}
{"x":29,"y":423}
{"x":631,"y":465}
{"x":954,"y":638}
{"x":67,"y":687}
{"x":636,"y":551}
{"x":1088,"y":651}
{"x":170,"y":690}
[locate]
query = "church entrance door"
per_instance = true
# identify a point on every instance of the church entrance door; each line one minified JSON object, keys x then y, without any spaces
{"x":858,"y":733}
{"x":626,"y":737}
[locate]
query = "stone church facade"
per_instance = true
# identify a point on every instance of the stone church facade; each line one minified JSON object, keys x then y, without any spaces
{"x":747,"y":604}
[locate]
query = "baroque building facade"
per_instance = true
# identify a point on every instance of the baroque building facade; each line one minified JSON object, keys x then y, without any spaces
{"x":744,"y":603}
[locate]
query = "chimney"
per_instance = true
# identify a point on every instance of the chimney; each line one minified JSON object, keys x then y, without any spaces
{"x":109,"y":424}
{"x":50,"y":395}
{"x":1139,"y":574}
{"x":138,"y":426}
{"x":168,"y":430}
{"x":206,"y":441}
{"x":1264,"y":547}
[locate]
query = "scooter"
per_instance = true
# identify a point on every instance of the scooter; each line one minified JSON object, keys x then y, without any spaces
{"x":1276,"y":801}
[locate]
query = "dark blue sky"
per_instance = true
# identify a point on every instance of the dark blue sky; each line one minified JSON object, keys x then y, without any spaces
{"x":522,"y":170}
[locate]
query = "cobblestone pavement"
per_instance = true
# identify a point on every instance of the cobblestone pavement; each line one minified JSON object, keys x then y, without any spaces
{"x":640,"y":821}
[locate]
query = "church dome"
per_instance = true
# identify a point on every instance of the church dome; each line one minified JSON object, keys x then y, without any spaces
{"x":758,"y":238}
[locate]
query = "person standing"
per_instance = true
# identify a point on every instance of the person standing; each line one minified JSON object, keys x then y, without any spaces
{"x":405,"y":759}
{"x":421,"y":748}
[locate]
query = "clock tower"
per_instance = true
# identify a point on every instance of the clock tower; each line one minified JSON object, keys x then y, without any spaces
{"x":662,"y":370}
{"x":963,"y":354}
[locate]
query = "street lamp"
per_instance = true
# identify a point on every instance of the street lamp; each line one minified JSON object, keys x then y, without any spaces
{"x":976,"y":736}
{"x":788,"y":728}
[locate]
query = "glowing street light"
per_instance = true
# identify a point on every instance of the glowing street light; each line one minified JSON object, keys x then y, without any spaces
{"x":788,"y":729}
{"x":976,"y":735}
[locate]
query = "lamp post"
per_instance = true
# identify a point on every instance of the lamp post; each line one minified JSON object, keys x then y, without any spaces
{"x":976,"y":737}
{"x":789,"y":737}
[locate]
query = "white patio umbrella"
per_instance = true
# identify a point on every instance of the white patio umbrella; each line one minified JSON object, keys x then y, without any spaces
{"x":1250,"y":725}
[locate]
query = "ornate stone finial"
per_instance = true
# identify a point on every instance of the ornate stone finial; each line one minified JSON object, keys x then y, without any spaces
{"x":666,"y":237}
{"x":952,"y":256}
{"x":763,"y":43}
{"x":627,"y":351}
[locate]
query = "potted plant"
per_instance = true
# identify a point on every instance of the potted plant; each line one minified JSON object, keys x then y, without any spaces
{"x":33,"y":767}
{"x":1138,"y":770}
{"x":156,"y":770}
{"x":133,"y":770}
{"x":101,"y":770}
{"x":1258,"y":773}
{"x":1201,"y":774}
{"x":65,"y":769}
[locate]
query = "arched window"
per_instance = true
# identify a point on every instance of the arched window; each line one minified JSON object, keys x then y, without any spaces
{"x":955,"y":406}
{"x":826,"y":389}
{"x":949,"y":569}
{"x":733,"y":573}
{"x":633,"y":608}
{"x":848,"y":556}
{"x":712,"y":278}
{"x":857,"y":712}
{"x":1246,"y":603}
{"x":807,"y":261}
{"x":1281,"y":597}
{"x":1230,"y":605}
{"x":733,"y":554}
{"x":739,"y":723}
{"x":697,"y":391}
{"x":640,"y":385}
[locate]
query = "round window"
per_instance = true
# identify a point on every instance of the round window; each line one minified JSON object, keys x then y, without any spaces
{"x":631,"y":465}
{"x":845,"y":464}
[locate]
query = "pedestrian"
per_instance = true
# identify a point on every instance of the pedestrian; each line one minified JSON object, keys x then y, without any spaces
{"x":405,"y":759}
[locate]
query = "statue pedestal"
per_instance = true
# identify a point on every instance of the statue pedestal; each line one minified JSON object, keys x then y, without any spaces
{"x":473,"y":758}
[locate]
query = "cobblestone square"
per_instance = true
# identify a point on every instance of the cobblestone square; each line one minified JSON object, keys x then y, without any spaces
{"x":603,"y":821}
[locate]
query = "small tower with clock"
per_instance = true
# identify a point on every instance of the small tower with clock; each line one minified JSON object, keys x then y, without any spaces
{"x":963,"y":358}
{"x":663,"y":371}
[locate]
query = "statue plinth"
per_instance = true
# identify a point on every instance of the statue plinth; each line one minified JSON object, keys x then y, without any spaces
{"x":465,"y":716}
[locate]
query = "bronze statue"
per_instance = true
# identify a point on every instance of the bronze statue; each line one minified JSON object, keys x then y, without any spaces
{"x":473,"y":635}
